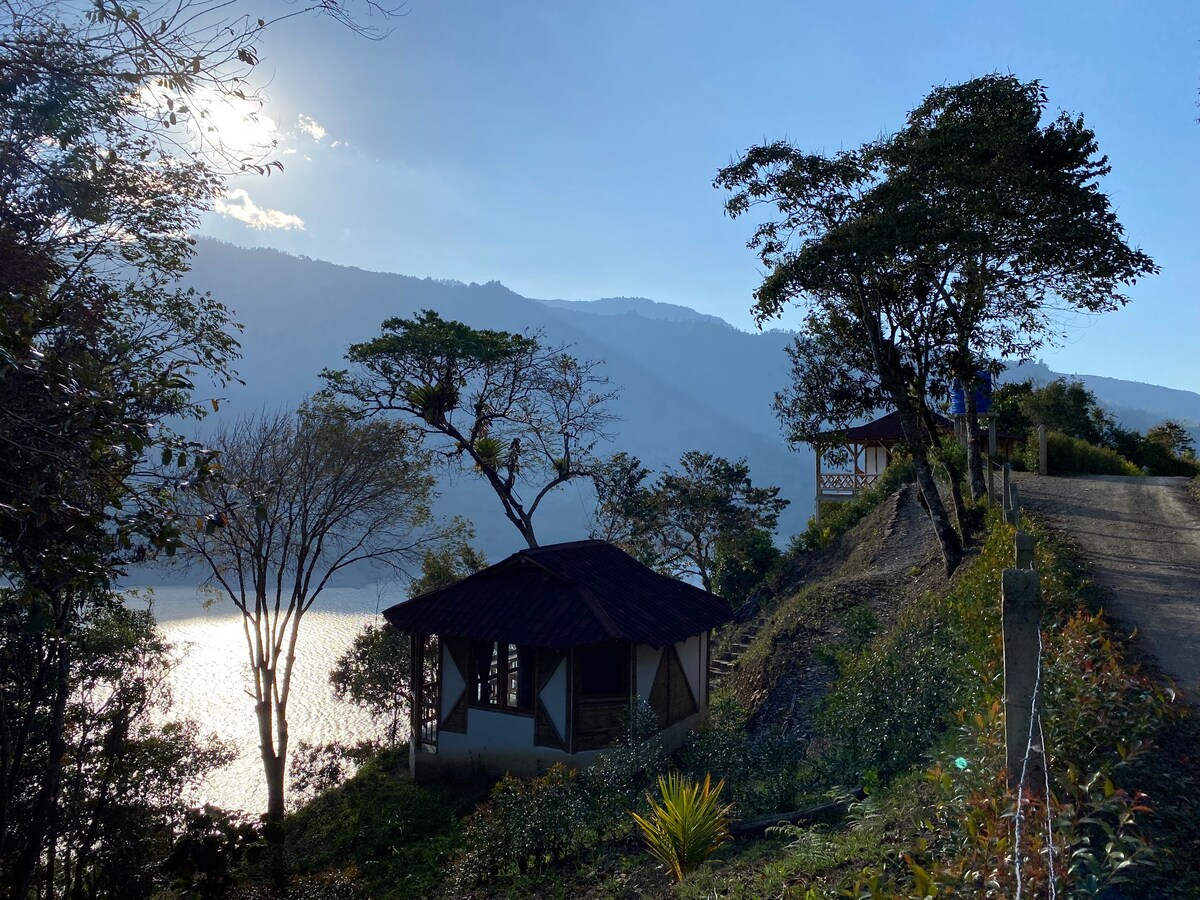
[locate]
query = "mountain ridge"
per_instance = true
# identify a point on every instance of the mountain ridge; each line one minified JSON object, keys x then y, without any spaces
{"x":689,"y":380}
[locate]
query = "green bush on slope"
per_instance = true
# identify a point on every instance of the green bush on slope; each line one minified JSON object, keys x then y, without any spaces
{"x":1071,"y":456}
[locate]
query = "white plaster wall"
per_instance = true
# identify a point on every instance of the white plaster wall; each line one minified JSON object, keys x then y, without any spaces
{"x":691,"y":657}
{"x":494,"y":740}
{"x":648,"y":659}
{"x":453,"y":683}
{"x":874,"y":460}
{"x":554,"y":697}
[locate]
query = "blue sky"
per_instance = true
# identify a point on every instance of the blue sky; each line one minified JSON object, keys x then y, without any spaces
{"x":567,"y":149}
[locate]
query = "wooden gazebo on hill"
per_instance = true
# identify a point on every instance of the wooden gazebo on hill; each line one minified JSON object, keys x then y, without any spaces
{"x":540,"y":658}
{"x":870,"y":448}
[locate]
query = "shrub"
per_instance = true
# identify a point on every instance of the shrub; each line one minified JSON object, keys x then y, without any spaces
{"x":688,"y":827}
{"x":531,"y":823}
{"x":527,"y":824}
{"x":764,"y":770}
{"x":399,"y":834}
{"x":1071,"y":456}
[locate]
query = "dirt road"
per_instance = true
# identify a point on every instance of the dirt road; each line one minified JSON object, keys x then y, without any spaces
{"x":1141,"y":537}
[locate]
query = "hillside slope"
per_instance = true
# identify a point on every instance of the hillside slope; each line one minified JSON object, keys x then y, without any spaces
{"x":835,"y":598}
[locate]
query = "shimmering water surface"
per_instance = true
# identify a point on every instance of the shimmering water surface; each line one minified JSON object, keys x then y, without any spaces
{"x":212,"y":679}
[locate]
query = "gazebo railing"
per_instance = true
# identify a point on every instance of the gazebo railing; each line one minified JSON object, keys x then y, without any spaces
{"x":845,"y":482}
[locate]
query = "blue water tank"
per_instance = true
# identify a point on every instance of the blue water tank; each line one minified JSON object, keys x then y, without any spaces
{"x":983,"y":396}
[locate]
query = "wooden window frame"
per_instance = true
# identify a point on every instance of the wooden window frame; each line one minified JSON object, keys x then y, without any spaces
{"x":502,"y":675}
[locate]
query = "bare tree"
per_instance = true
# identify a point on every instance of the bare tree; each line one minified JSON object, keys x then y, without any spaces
{"x":304,"y":496}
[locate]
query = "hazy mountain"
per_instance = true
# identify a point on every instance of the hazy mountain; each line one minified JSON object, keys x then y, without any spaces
{"x":1134,"y":404}
{"x":637,"y":306}
{"x":689,"y":381}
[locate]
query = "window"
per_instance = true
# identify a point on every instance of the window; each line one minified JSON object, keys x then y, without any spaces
{"x":604,"y":670}
{"x":502,"y":677}
{"x":428,"y":693}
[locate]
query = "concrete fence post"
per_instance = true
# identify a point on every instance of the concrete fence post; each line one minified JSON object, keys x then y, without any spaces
{"x":1005,"y":496}
{"x":1024,"y":550}
{"x":1021,"y":603}
{"x":1014,"y":506}
{"x":991,"y":459}
{"x":1043,"y":459}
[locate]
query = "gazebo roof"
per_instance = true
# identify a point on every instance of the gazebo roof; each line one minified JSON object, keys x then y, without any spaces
{"x":885,"y":430}
{"x":565,"y":595}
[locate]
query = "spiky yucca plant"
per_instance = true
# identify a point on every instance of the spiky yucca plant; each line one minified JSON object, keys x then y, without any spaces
{"x":689,"y":825}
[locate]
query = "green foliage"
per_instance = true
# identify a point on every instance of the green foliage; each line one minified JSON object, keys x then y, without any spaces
{"x":394,"y":834}
{"x":1155,"y":452}
{"x":453,"y":561}
{"x":678,"y":523}
{"x":127,"y":767}
{"x":688,"y":826}
{"x":918,"y":256}
{"x":316,"y":768}
{"x":764,"y":769}
{"x":1174,"y":437}
{"x":1101,"y":714}
{"x":889,"y":703}
{"x":524,"y":415}
{"x":1067,"y":455}
{"x":616,"y":780}
{"x":374,"y":673}
{"x":892,"y":700}
{"x":209,"y":852}
{"x":527,"y":824}
{"x":743,"y":561}
{"x":1062,"y":405}
{"x":531,"y":823}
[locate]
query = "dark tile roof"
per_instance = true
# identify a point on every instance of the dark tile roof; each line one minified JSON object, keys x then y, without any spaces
{"x":565,"y":595}
{"x":885,"y":429}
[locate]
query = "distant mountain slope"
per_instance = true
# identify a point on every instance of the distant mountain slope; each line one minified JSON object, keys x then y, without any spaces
{"x":692,"y":384}
{"x":638,"y":306}
{"x":1134,"y":404}
{"x":689,"y":381}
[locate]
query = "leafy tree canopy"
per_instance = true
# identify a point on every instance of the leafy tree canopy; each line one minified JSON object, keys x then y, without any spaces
{"x":524,"y":415}
{"x":676,"y":523}
{"x":918,"y":257}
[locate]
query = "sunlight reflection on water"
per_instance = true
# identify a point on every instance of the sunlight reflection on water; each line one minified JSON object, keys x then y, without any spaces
{"x":211,"y":681}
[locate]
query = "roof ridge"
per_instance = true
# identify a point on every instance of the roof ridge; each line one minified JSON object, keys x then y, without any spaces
{"x":529,"y":551}
{"x":590,"y":599}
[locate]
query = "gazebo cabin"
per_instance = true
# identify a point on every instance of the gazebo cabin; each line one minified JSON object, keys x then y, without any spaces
{"x":540,"y":658}
{"x":870,"y":448}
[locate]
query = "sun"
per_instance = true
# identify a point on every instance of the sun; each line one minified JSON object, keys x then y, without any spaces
{"x":219,"y":123}
{"x":237,"y":125}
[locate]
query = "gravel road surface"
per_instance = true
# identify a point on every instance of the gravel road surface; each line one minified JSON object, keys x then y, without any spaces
{"x":1141,"y":537}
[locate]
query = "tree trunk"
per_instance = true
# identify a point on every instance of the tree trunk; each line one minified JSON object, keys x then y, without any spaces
{"x":974,"y":451}
{"x":953,"y":475}
{"x":915,"y":436}
{"x":36,"y":836}
{"x":273,"y":762}
{"x":274,"y":767}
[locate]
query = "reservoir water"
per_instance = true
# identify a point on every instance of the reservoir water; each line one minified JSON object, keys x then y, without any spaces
{"x":211,"y":680}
